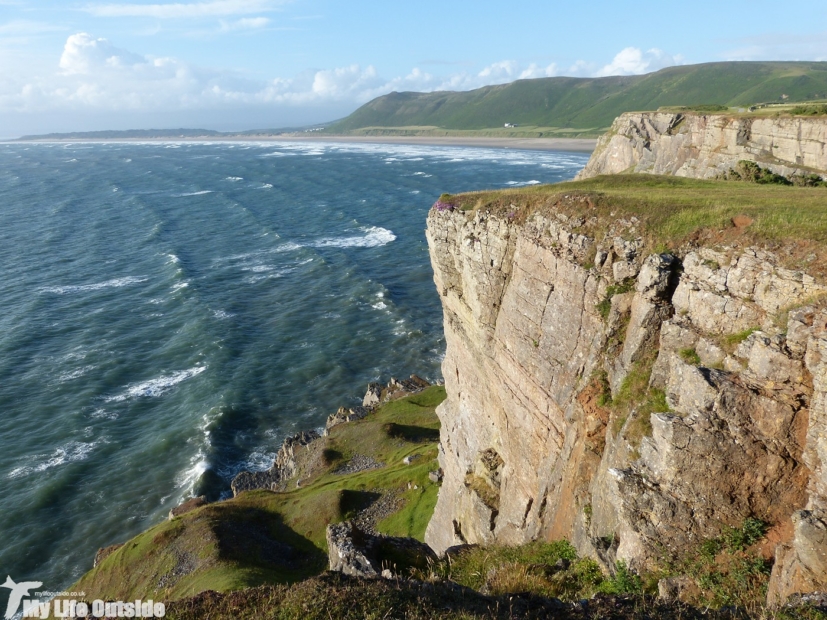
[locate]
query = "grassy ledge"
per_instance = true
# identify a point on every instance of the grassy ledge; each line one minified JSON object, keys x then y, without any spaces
{"x":674,"y":212}
{"x":262,"y":537}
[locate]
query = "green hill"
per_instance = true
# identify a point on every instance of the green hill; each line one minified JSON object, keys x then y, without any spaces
{"x":591,"y":104}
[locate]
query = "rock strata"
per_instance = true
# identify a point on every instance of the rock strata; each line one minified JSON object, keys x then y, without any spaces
{"x":708,"y":145}
{"x":541,"y":336}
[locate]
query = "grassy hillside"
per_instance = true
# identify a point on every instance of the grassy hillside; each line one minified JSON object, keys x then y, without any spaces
{"x":262,"y":537}
{"x":591,"y":104}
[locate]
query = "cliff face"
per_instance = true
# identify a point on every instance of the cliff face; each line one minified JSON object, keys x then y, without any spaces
{"x":545,"y":317}
{"x":704,"y":146}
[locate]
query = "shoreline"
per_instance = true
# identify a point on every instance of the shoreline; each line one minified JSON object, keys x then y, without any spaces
{"x":582,"y":145}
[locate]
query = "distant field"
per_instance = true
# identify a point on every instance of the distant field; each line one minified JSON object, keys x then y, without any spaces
{"x":494,"y":132}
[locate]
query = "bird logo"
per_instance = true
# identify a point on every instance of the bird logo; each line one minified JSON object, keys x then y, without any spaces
{"x":18,"y":590}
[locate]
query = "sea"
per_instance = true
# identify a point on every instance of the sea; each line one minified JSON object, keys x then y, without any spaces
{"x":169,"y":312}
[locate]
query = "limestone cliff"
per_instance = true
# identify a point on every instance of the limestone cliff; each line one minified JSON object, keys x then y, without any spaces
{"x":705,"y":146}
{"x":550,"y":314}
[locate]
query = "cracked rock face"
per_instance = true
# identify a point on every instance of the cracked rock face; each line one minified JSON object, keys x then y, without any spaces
{"x":704,"y":146}
{"x":528,"y":451}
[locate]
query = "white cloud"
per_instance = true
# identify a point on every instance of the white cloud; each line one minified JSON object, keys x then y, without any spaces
{"x":246,"y":23}
{"x":97,"y":79}
{"x":214,"y":8}
{"x":19,"y":27}
{"x":634,"y":61}
{"x":83,"y":53}
{"x":535,"y":71}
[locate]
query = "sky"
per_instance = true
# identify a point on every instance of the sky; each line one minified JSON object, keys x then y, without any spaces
{"x":231,"y":65}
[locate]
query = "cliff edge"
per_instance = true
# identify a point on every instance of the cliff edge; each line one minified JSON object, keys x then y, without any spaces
{"x":708,"y":145}
{"x":635,"y":399}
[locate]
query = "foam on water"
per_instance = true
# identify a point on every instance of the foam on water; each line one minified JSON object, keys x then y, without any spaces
{"x":71,"y":452}
{"x":82,"y":288}
{"x":234,"y":179}
{"x":74,"y":374}
{"x":523,"y":183}
{"x":199,"y":193}
{"x":156,"y":387}
{"x":374,"y":236}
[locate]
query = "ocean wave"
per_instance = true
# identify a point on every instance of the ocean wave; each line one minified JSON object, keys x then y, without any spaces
{"x":179,"y":286}
{"x":234,"y":179}
{"x":374,"y":236}
{"x":158,"y":386}
{"x":190,"y":476}
{"x":266,"y":186}
{"x":71,"y":452}
{"x":221,"y":314}
{"x":200,"y":193}
{"x":259,"y":460}
{"x":522,"y":183}
{"x":74,"y":374}
{"x":82,"y":288}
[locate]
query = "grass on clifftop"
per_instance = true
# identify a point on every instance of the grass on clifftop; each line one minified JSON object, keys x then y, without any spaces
{"x":674,"y":211}
{"x":262,"y":537}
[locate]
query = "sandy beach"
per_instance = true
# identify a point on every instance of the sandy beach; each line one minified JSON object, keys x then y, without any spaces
{"x":536,"y":144}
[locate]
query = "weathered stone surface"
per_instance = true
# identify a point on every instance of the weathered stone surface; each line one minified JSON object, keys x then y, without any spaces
{"x":704,"y":146}
{"x":346,"y":414}
{"x":672,"y":589}
{"x":104,"y":552}
{"x":187,"y":506}
{"x":348,"y":549}
{"x":373,"y":395}
{"x":746,"y":388}
{"x":357,"y":553}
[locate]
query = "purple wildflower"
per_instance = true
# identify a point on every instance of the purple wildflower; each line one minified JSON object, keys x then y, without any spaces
{"x":443,"y":206}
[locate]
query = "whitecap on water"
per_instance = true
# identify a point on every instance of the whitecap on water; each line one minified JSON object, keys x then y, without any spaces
{"x":522,"y":183}
{"x":71,"y":452}
{"x":158,"y":386}
{"x":374,"y":236}
{"x":201,"y":193}
{"x":221,"y":314}
{"x":82,"y":288}
{"x":190,"y":476}
{"x":74,"y":374}
{"x":234,"y":179}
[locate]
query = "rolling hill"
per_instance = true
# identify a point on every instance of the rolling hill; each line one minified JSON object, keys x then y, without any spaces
{"x":591,"y":104}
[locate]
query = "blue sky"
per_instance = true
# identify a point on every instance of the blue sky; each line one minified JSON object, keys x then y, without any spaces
{"x":241,"y":64}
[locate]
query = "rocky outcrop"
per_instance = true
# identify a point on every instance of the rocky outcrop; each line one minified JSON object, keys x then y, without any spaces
{"x":298,"y":451}
{"x":357,"y":553}
{"x":283,"y":468}
{"x":706,"y":146}
{"x":548,"y":319}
